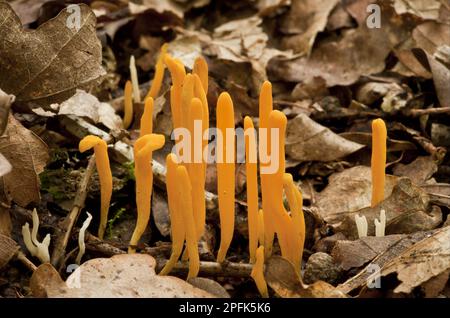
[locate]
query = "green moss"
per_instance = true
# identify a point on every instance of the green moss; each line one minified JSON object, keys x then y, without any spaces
{"x":129,"y":166}
{"x":117,"y":215}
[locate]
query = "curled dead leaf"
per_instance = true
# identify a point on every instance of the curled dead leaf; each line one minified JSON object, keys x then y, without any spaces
{"x":51,"y":62}
{"x":283,"y":279}
{"x":28,"y":155}
{"x":421,"y":262}
{"x":307,"y":140}
{"x":127,"y":275}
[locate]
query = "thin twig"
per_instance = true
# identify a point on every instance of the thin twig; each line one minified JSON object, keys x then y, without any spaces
{"x":28,"y":264}
{"x":160,"y":253}
{"x":66,"y":226}
{"x":213,"y":269}
{"x":438,"y":153}
{"x":428,"y":111}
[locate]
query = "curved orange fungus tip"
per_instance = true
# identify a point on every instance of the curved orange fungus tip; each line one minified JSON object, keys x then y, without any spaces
{"x":143,"y":149}
{"x":177,"y":224}
{"x":176,"y":69}
{"x":185,"y":196}
{"x":201,"y":69}
{"x":147,"y":117}
{"x":297,"y":238}
{"x":258,"y":273}
{"x":159,"y":74}
{"x":378,"y":164}
{"x":104,"y":173}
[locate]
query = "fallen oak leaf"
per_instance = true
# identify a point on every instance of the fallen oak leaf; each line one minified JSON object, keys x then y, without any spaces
{"x":363,"y":277}
{"x":421,"y":262}
{"x":349,"y":190}
{"x":408,"y":210}
{"x":354,"y":254}
{"x":126,"y":275}
{"x":46,"y":65}
{"x":28,"y":155}
{"x":306,"y":140}
{"x":303,"y":22}
{"x":284,"y":280}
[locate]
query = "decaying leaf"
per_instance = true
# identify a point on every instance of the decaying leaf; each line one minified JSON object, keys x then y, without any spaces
{"x":341,"y":61}
{"x":426,"y":9}
{"x":302,"y":23}
{"x":307,"y":140}
{"x":408,"y":210}
{"x":439,"y":193}
{"x":282,"y":278}
{"x":210,"y":286}
{"x":244,"y":41}
{"x":354,"y":254}
{"x":363,"y":138}
{"x":83,"y":104}
{"x":421,"y":262}
{"x":362,"y":278}
{"x":8,"y":248}
{"x":28,"y":155}
{"x":51,"y":62}
{"x":6,"y":101}
{"x":27,"y":10}
{"x":127,"y":275}
{"x":440,"y":134}
{"x":419,"y":171}
{"x":349,"y":190}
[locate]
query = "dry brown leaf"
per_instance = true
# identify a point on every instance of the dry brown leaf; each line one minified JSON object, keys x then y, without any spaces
{"x":440,"y":134}
{"x":354,"y":254}
{"x":331,"y":58}
{"x":85,"y":105}
{"x":51,"y":62}
{"x":6,"y":101}
{"x":307,"y":140}
{"x":28,"y":155}
{"x":425,"y":9}
{"x":176,"y":7}
{"x":127,"y":275}
{"x":8,"y":248}
{"x":339,"y":18}
{"x":243,"y":41}
{"x":419,"y":171}
{"x":430,"y":35}
{"x":283,"y":279}
{"x":160,"y":6}
{"x":27,"y":10}
{"x":305,"y":19}
{"x":270,"y":7}
{"x":439,"y":193}
{"x":210,"y":286}
{"x":362,"y":278}
{"x":433,"y":287}
{"x":408,"y":210}
{"x":185,"y":48}
{"x":364,"y":138}
{"x":421,"y":262}
{"x":441,"y":78}
{"x":349,"y":190}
